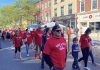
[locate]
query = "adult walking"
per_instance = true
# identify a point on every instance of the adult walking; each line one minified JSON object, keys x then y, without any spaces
{"x":85,"y":41}
{"x":55,"y":50}
{"x":45,"y":37}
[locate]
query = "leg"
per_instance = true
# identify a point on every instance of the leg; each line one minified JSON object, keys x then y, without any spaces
{"x":91,"y":55}
{"x":81,"y":57}
{"x":15,"y":51}
{"x":19,"y":49}
{"x":73,"y":65}
{"x":42,"y":62}
{"x":36,"y":52}
{"x":85,"y":56}
{"x":27,"y":48}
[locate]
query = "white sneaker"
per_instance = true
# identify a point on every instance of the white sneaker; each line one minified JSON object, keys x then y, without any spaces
{"x":27,"y":54}
{"x":20,"y":58}
{"x":87,"y":68}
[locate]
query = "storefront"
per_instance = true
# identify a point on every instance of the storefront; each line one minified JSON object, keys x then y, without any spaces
{"x":89,"y":20}
{"x":67,"y":20}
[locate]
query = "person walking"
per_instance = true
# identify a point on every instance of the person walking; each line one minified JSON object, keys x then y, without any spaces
{"x":85,"y":47}
{"x":55,"y":50}
{"x":38,"y":42}
{"x":17,"y":41}
{"x":75,"y":50}
{"x":91,"y":54}
{"x":45,"y":37}
{"x":28,"y":42}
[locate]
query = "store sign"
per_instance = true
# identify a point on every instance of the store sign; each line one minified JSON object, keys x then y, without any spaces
{"x":90,"y":16}
{"x":97,"y":16}
{"x":85,"y":17}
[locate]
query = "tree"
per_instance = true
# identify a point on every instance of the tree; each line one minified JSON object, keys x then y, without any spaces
{"x":20,"y":11}
{"x":7,"y":14}
{"x":27,"y":8}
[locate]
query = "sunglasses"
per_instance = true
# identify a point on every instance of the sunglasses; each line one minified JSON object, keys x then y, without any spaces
{"x":58,"y":30}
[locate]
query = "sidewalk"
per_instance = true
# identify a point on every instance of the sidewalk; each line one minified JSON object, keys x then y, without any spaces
{"x":81,"y":64}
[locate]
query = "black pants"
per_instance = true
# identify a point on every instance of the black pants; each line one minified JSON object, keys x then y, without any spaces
{"x":17,"y":49}
{"x":85,"y":53}
{"x":42,"y":61}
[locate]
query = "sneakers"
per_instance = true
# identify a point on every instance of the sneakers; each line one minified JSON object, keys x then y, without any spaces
{"x":27,"y":54}
{"x":86,"y":68}
{"x":36,"y":57}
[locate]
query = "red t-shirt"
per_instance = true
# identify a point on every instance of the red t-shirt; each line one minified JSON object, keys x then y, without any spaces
{"x":12,"y":32}
{"x":85,"y":41}
{"x":38,"y":37}
{"x":17,"y":41}
{"x":22,"y":34}
{"x":32,"y":33}
{"x":57,"y":49}
{"x":4,"y":32}
{"x":28,"y":38}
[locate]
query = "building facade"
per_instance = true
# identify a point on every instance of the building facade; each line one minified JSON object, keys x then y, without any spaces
{"x":88,"y":15}
{"x":64,"y":11}
{"x":44,"y":13}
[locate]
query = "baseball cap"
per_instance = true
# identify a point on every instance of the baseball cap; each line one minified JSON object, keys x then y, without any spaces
{"x":56,"y":27}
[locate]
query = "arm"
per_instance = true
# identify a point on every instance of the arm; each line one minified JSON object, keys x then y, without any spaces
{"x":48,"y":60}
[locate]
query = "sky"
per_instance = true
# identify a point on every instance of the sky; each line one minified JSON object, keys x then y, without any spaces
{"x":6,"y":2}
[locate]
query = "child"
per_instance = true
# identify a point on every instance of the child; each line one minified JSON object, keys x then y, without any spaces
{"x":28,"y":42}
{"x":75,"y":49}
{"x":17,"y":40}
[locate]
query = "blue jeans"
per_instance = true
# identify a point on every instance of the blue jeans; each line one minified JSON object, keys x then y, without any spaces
{"x":91,"y":55}
{"x":75,"y":62}
{"x":27,"y":48}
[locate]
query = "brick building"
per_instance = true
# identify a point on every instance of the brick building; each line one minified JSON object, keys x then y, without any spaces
{"x":88,"y":15}
{"x":44,"y":13}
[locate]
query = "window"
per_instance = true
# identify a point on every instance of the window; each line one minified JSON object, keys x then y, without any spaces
{"x":70,"y":8}
{"x":94,"y":4}
{"x":95,"y":26}
{"x":82,"y":4}
{"x":62,"y":11}
{"x":55,"y":12}
{"x":55,"y":1}
{"x":62,"y":0}
{"x":45,"y":5}
{"x":48,"y":3}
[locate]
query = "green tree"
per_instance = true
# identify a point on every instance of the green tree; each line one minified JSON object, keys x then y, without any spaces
{"x":27,"y":8}
{"x":21,"y":10}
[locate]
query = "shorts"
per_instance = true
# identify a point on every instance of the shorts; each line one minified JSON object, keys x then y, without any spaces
{"x":17,"y":49}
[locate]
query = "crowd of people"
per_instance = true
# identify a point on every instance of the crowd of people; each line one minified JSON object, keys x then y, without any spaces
{"x":50,"y":46}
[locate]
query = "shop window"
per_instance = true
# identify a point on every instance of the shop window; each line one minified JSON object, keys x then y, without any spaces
{"x":95,"y":26}
{"x":84,"y":24}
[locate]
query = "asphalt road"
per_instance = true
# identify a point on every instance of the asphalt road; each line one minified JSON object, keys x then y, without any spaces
{"x":8,"y":62}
